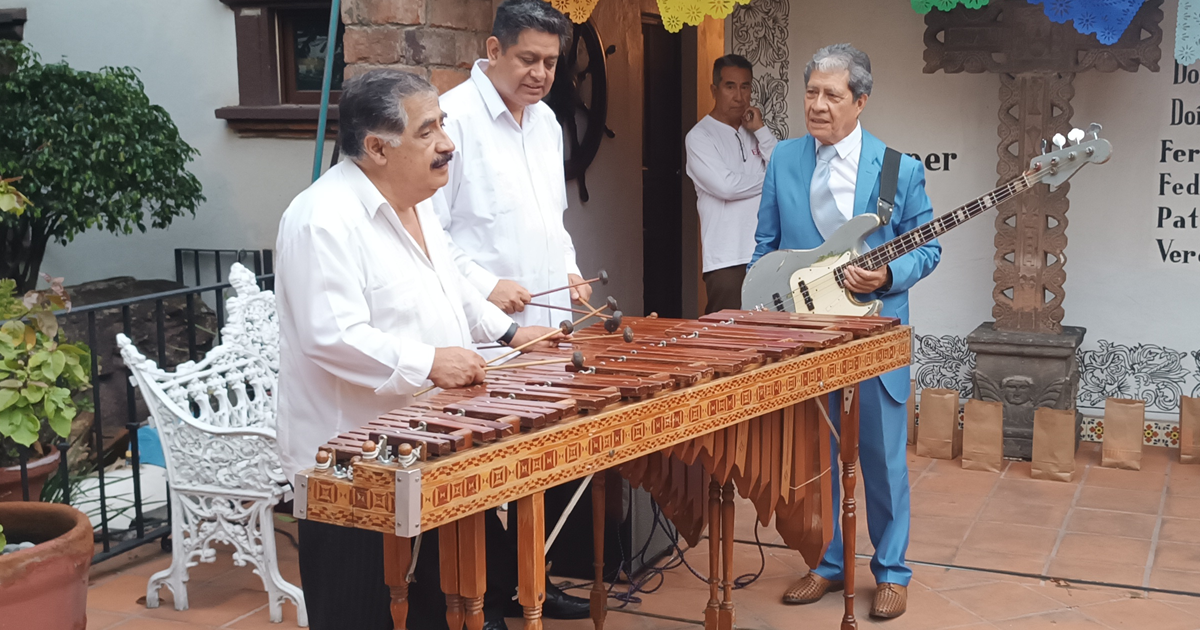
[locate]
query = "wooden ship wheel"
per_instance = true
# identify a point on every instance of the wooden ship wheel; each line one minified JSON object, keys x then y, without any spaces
{"x":579,"y":99}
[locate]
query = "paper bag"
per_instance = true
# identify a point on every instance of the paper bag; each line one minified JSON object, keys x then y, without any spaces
{"x":939,"y":436}
{"x":912,"y":413}
{"x":983,"y":436}
{"x":1053,"y":444}
{"x":1124,"y":428}
{"x":1189,"y":430}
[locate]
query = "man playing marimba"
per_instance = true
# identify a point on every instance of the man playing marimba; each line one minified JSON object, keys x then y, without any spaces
{"x":813,"y":186}
{"x":371,"y":309}
{"x":503,"y":206}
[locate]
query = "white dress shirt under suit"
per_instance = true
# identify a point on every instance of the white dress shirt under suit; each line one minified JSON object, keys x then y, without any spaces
{"x":503,"y":206}
{"x":843,"y":171}
{"x":361,"y":310}
{"x":728,"y":167}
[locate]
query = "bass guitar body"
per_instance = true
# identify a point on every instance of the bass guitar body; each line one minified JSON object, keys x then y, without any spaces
{"x":804,"y":280}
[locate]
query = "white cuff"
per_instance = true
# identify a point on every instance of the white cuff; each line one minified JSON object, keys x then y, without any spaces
{"x":412,"y":373}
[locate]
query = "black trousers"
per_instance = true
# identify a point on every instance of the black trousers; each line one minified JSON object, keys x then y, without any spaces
{"x":723,"y":287}
{"x":341,"y":570}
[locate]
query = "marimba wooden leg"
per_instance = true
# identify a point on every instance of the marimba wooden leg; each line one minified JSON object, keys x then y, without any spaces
{"x":726,"y":617}
{"x":712,"y":611}
{"x":472,"y":568}
{"x":531,"y":560}
{"x":849,"y":455}
{"x":599,"y":593}
{"x":397,"y":556}
{"x":448,"y":560}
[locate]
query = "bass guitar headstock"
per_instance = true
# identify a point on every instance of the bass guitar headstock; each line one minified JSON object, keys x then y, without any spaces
{"x":1058,"y":166}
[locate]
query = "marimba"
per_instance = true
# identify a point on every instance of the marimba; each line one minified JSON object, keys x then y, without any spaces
{"x":690,"y":410}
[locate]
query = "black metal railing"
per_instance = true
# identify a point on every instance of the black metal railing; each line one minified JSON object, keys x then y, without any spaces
{"x":191,"y":264}
{"x":107,"y":366}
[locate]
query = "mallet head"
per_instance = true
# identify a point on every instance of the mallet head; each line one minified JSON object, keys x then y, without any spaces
{"x":628,"y":336}
{"x":613,"y":323}
{"x":612,"y":304}
{"x":566,"y":326}
{"x":577,"y":360}
{"x":603,"y":275}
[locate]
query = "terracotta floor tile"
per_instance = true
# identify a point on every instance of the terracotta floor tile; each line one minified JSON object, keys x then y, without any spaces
{"x":938,"y":578}
{"x":1175,"y":580}
{"x":145,"y":623}
{"x":1107,"y":549}
{"x":1016,"y":470}
{"x":945,"y":505}
{"x":1074,"y":595}
{"x":1005,"y":538}
{"x":120,"y":595}
{"x":1025,"y":491}
{"x":1177,"y":556}
{"x":1126,"y":524}
{"x":261,"y":619}
{"x":1145,"y":480}
{"x":931,"y":552}
{"x":1119,"y":500}
{"x":1179,"y":530}
{"x":1002,"y":600}
{"x":1002,"y":561}
{"x":1182,"y":507}
{"x":1183,"y":484}
{"x":1054,"y":620}
{"x":1088,"y":454}
{"x":927,"y":610}
{"x":1141,"y":614}
{"x":215,"y":605}
{"x":945,"y":531}
{"x":1097,"y":570}
{"x":964,"y":482}
{"x":100,"y":620}
{"x":1035,"y":514}
{"x":1190,"y":605}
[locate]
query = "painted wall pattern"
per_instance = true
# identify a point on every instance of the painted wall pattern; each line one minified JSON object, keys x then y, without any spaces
{"x":760,"y":33}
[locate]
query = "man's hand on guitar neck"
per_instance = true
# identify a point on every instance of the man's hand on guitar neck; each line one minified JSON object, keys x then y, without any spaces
{"x":860,"y":280}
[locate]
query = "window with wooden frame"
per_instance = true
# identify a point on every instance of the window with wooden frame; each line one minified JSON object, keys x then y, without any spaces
{"x":281,"y":46}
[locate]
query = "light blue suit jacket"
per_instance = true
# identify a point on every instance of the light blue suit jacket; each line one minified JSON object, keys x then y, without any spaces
{"x":785,"y":221}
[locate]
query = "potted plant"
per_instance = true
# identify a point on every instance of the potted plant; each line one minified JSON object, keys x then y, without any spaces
{"x":45,"y":586}
{"x":92,"y":150}
{"x":43,"y":379}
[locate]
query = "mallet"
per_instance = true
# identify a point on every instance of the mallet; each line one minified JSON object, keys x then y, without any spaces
{"x":602,"y":277}
{"x":627,"y":335}
{"x":576,"y":360}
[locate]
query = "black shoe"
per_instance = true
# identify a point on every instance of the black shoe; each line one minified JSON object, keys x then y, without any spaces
{"x":558,"y":605}
{"x":495,"y":624}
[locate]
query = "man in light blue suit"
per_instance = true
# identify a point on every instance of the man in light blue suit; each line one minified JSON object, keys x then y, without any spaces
{"x":813,"y":186}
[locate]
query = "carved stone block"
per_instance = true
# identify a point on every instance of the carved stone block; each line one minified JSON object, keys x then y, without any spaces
{"x":1025,"y":371}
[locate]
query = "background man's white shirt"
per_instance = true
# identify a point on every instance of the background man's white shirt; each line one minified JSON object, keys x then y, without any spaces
{"x":503,"y":206}
{"x":728,"y":167}
{"x":361,"y":310}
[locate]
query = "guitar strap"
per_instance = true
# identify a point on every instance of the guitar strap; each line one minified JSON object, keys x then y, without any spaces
{"x":888,"y":181}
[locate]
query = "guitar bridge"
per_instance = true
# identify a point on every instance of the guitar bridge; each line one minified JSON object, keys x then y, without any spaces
{"x":807,"y":298}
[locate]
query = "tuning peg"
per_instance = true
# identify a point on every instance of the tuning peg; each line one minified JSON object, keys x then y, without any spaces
{"x":1045,"y":146}
{"x":1093,"y":130}
{"x":1058,"y":140}
{"x":1075,"y":135}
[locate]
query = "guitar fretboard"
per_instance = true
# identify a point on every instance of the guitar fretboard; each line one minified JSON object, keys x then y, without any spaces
{"x":916,"y":237}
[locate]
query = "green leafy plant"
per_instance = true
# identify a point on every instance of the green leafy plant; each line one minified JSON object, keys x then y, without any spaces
{"x":91,"y":151}
{"x":3,"y":540}
{"x":42,"y":376}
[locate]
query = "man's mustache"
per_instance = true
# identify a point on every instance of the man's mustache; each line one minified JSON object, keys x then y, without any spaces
{"x":442,"y":160}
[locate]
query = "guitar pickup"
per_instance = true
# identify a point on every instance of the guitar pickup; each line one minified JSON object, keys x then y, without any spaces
{"x":778,"y":302}
{"x":807,"y":298}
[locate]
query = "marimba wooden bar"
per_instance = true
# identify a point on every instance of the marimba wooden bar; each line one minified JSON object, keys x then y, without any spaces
{"x":690,"y":410}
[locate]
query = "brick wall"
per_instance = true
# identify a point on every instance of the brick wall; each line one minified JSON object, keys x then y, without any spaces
{"x":438,"y":39}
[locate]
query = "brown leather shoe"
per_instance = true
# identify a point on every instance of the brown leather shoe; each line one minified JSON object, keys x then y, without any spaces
{"x":891,"y":600}
{"x":810,"y":588}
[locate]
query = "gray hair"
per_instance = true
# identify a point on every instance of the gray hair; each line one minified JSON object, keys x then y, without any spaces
{"x":372,"y":103}
{"x":515,"y":16}
{"x":730,"y":61}
{"x":844,"y":57}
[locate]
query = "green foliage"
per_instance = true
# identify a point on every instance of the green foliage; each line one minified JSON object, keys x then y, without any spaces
{"x":41,"y":375}
{"x":3,"y":540}
{"x":91,"y":150}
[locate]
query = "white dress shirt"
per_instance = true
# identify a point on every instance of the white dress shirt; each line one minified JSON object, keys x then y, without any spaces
{"x":361,"y":310}
{"x":728,"y":167}
{"x":843,"y":170}
{"x":503,"y":206}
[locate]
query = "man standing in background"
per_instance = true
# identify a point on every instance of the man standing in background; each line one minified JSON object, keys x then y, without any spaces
{"x":727,"y":156}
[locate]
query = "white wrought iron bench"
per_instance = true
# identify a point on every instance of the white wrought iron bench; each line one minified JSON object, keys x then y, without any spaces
{"x":216,"y":420}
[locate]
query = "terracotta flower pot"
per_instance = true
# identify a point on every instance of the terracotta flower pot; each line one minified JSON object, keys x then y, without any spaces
{"x":39,"y":471}
{"x":45,"y":587}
